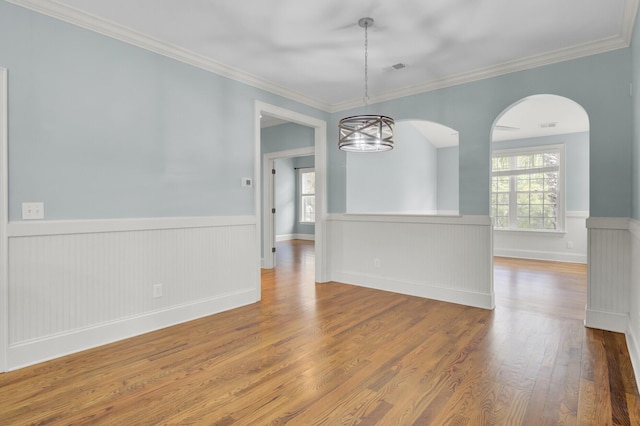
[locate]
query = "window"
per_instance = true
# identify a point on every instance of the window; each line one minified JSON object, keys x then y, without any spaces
{"x":307,"y":195}
{"x":526,"y":189}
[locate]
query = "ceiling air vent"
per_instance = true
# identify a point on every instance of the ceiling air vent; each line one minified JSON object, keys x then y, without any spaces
{"x":548,"y":125}
{"x":398,"y":66}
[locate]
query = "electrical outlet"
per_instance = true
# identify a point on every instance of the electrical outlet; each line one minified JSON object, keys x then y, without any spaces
{"x":247,"y":182}
{"x":569,"y":244}
{"x":32,"y":211}
{"x":157,"y":291}
{"x":376,"y":262}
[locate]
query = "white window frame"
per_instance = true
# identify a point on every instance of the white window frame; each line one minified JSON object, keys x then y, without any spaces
{"x":561,"y":211}
{"x":302,"y":171}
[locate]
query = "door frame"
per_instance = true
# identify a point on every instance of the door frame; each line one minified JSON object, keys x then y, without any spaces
{"x":268,"y":200}
{"x":320,"y":152}
{"x":4,"y":217}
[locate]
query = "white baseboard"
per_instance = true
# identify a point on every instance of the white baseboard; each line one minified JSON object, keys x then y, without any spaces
{"x":608,"y":321}
{"x":478,"y":300}
{"x":50,"y":347}
{"x":541,"y":255}
{"x":287,"y":237}
{"x":633,"y":344}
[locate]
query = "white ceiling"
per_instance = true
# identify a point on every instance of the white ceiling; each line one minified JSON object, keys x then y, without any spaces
{"x":313,"y":51}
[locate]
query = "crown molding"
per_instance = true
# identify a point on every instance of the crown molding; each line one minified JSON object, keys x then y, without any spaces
{"x":119,"y":32}
{"x":561,"y":55}
{"x":621,"y":41}
{"x":127,"y":35}
{"x":629,"y":15}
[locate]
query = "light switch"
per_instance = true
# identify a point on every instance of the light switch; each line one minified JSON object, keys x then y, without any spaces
{"x":32,"y":211}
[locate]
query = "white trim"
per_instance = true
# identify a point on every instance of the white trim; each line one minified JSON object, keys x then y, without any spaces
{"x":50,"y":347}
{"x":536,"y":232}
{"x":406,"y":218}
{"x":620,"y":223}
{"x":64,"y":227}
{"x":581,"y":214}
{"x":288,"y":237}
{"x":99,"y":25}
{"x":442,"y":293}
{"x":633,"y":344}
{"x":608,"y":321}
{"x":4,"y":214}
{"x":268,"y":186}
{"x":550,"y":256}
{"x":634,"y":228}
{"x":320,"y":152}
{"x":629,"y":15}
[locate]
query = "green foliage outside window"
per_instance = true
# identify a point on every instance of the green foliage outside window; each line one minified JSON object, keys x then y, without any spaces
{"x":525,"y":190}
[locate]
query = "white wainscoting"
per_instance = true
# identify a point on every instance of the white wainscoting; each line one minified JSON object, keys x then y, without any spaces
{"x":76,"y":285}
{"x":546,"y":245}
{"x":633,"y":329}
{"x":436,"y":257}
{"x":609,"y":273}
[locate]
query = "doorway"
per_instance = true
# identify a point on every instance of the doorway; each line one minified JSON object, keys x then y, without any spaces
{"x":540,"y":180}
{"x":319,"y":151}
{"x":271,"y":210}
{"x":539,"y":198}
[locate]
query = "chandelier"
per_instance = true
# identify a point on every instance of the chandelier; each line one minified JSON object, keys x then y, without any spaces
{"x":366,"y":133}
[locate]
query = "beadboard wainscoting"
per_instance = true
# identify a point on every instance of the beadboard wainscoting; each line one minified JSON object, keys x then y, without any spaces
{"x":567,"y":246}
{"x":80,"y":284}
{"x":609,"y":273}
{"x":436,"y":257}
{"x":633,"y":329}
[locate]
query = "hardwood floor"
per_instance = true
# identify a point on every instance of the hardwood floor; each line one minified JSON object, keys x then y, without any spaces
{"x":336,"y":354}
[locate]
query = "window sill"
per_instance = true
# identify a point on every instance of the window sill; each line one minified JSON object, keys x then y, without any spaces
{"x":531,"y":232}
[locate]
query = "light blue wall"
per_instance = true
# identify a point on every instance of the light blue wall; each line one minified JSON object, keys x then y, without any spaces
{"x":600,"y":83}
{"x":300,"y":163}
{"x":448,"y":179}
{"x":102,"y":129}
{"x":635,"y":48}
{"x":576,"y":163}
{"x":286,"y":136}
{"x":285,"y":196}
{"x":400,"y":180}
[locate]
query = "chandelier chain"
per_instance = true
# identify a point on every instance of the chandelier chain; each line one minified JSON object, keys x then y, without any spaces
{"x":366,"y":132}
{"x":366,"y":63}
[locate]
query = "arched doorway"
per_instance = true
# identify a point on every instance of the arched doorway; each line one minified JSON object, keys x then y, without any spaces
{"x":540,"y":184}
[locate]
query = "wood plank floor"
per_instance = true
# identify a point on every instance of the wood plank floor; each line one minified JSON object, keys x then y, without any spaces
{"x":335,"y":354}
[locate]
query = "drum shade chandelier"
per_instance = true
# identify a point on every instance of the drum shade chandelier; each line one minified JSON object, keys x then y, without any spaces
{"x":366,"y":133}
